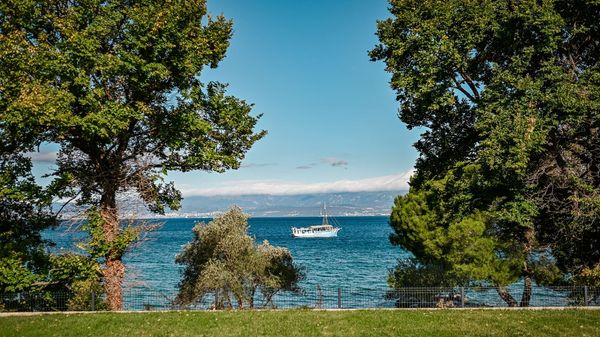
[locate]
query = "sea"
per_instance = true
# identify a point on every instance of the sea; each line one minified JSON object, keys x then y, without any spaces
{"x":360,"y":257}
{"x":353,"y":266}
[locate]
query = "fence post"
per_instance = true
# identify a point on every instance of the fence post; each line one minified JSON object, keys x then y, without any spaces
{"x":462,"y":297}
{"x":319,"y":299}
{"x":93,"y":300}
{"x":339,"y":298}
{"x":585,"y":296}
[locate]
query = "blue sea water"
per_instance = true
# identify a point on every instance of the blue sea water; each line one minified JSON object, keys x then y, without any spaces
{"x":357,"y":262}
{"x":358,"y":258}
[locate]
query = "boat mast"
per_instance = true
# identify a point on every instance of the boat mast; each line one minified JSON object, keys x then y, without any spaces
{"x":325,"y":222}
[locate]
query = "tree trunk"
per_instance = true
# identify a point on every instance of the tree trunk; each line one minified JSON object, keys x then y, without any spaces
{"x":114,"y":270}
{"x":269,"y":300}
{"x":529,"y":242}
{"x":526,"y":297}
{"x":251,"y":298}
{"x":506,"y":296}
{"x":113,"y":273}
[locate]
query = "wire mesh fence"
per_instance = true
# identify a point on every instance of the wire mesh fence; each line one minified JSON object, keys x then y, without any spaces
{"x":314,"y":298}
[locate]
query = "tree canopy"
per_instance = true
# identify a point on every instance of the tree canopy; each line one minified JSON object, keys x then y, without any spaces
{"x":508,"y":94}
{"x":116,"y":84}
{"x":223,"y":260}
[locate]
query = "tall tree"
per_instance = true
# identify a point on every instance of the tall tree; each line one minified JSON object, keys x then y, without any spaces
{"x":508,"y":93}
{"x":116,"y":85}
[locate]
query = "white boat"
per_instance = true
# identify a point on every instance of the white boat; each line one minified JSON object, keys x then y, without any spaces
{"x":325,"y":230}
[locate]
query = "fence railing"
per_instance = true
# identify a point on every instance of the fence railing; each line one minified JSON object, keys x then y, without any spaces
{"x":316,"y":298}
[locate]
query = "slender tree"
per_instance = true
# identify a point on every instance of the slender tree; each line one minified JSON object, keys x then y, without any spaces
{"x":115,"y":83}
{"x":508,"y":95}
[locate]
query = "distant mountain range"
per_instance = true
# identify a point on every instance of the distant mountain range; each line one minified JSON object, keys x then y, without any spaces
{"x":338,"y":204}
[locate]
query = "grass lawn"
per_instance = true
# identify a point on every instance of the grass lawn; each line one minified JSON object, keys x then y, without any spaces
{"x":311,"y":323}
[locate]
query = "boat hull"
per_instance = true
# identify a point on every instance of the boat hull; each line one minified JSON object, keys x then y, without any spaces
{"x":322,"y":234}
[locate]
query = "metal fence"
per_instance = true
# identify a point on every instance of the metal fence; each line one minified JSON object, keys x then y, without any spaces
{"x":317,"y":298}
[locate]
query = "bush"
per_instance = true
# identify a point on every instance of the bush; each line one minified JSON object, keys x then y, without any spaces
{"x":87,"y":296}
{"x":223,"y":260}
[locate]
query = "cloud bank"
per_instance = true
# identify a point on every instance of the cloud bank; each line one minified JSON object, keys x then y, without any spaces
{"x":43,"y":156}
{"x":395,"y":182}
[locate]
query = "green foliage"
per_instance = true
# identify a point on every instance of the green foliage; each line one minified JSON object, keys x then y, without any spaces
{"x":508,"y":95}
{"x":99,"y":79}
{"x":80,"y":275}
{"x":459,"y":253}
{"x":14,"y":276}
{"x":82,"y":296}
{"x":69,"y":276}
{"x":411,"y":273}
{"x":547,"y":272}
{"x":280,"y":273}
{"x":70,"y":268}
{"x":224,"y":260}
{"x":24,"y":211}
{"x":116,"y":85}
{"x":99,"y":246}
{"x":589,"y":276}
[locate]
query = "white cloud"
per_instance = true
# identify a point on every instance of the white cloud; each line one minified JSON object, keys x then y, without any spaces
{"x":43,"y":156}
{"x":395,"y":182}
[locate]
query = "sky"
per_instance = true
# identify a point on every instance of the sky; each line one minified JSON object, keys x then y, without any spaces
{"x":330,"y":114}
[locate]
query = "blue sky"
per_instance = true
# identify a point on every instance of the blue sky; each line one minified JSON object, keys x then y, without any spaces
{"x":330,"y":114}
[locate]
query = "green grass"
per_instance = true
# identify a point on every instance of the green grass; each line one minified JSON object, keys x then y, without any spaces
{"x":311,"y":323}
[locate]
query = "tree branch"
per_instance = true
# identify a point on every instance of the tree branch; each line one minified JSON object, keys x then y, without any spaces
{"x":467,"y":79}
{"x":66,"y":203}
{"x":461,"y":89}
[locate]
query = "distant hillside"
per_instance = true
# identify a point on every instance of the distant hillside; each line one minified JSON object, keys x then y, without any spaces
{"x":348,"y":203}
{"x":338,"y":204}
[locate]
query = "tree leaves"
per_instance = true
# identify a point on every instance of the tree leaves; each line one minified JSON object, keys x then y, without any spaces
{"x":95,"y":77}
{"x":506,"y":95}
